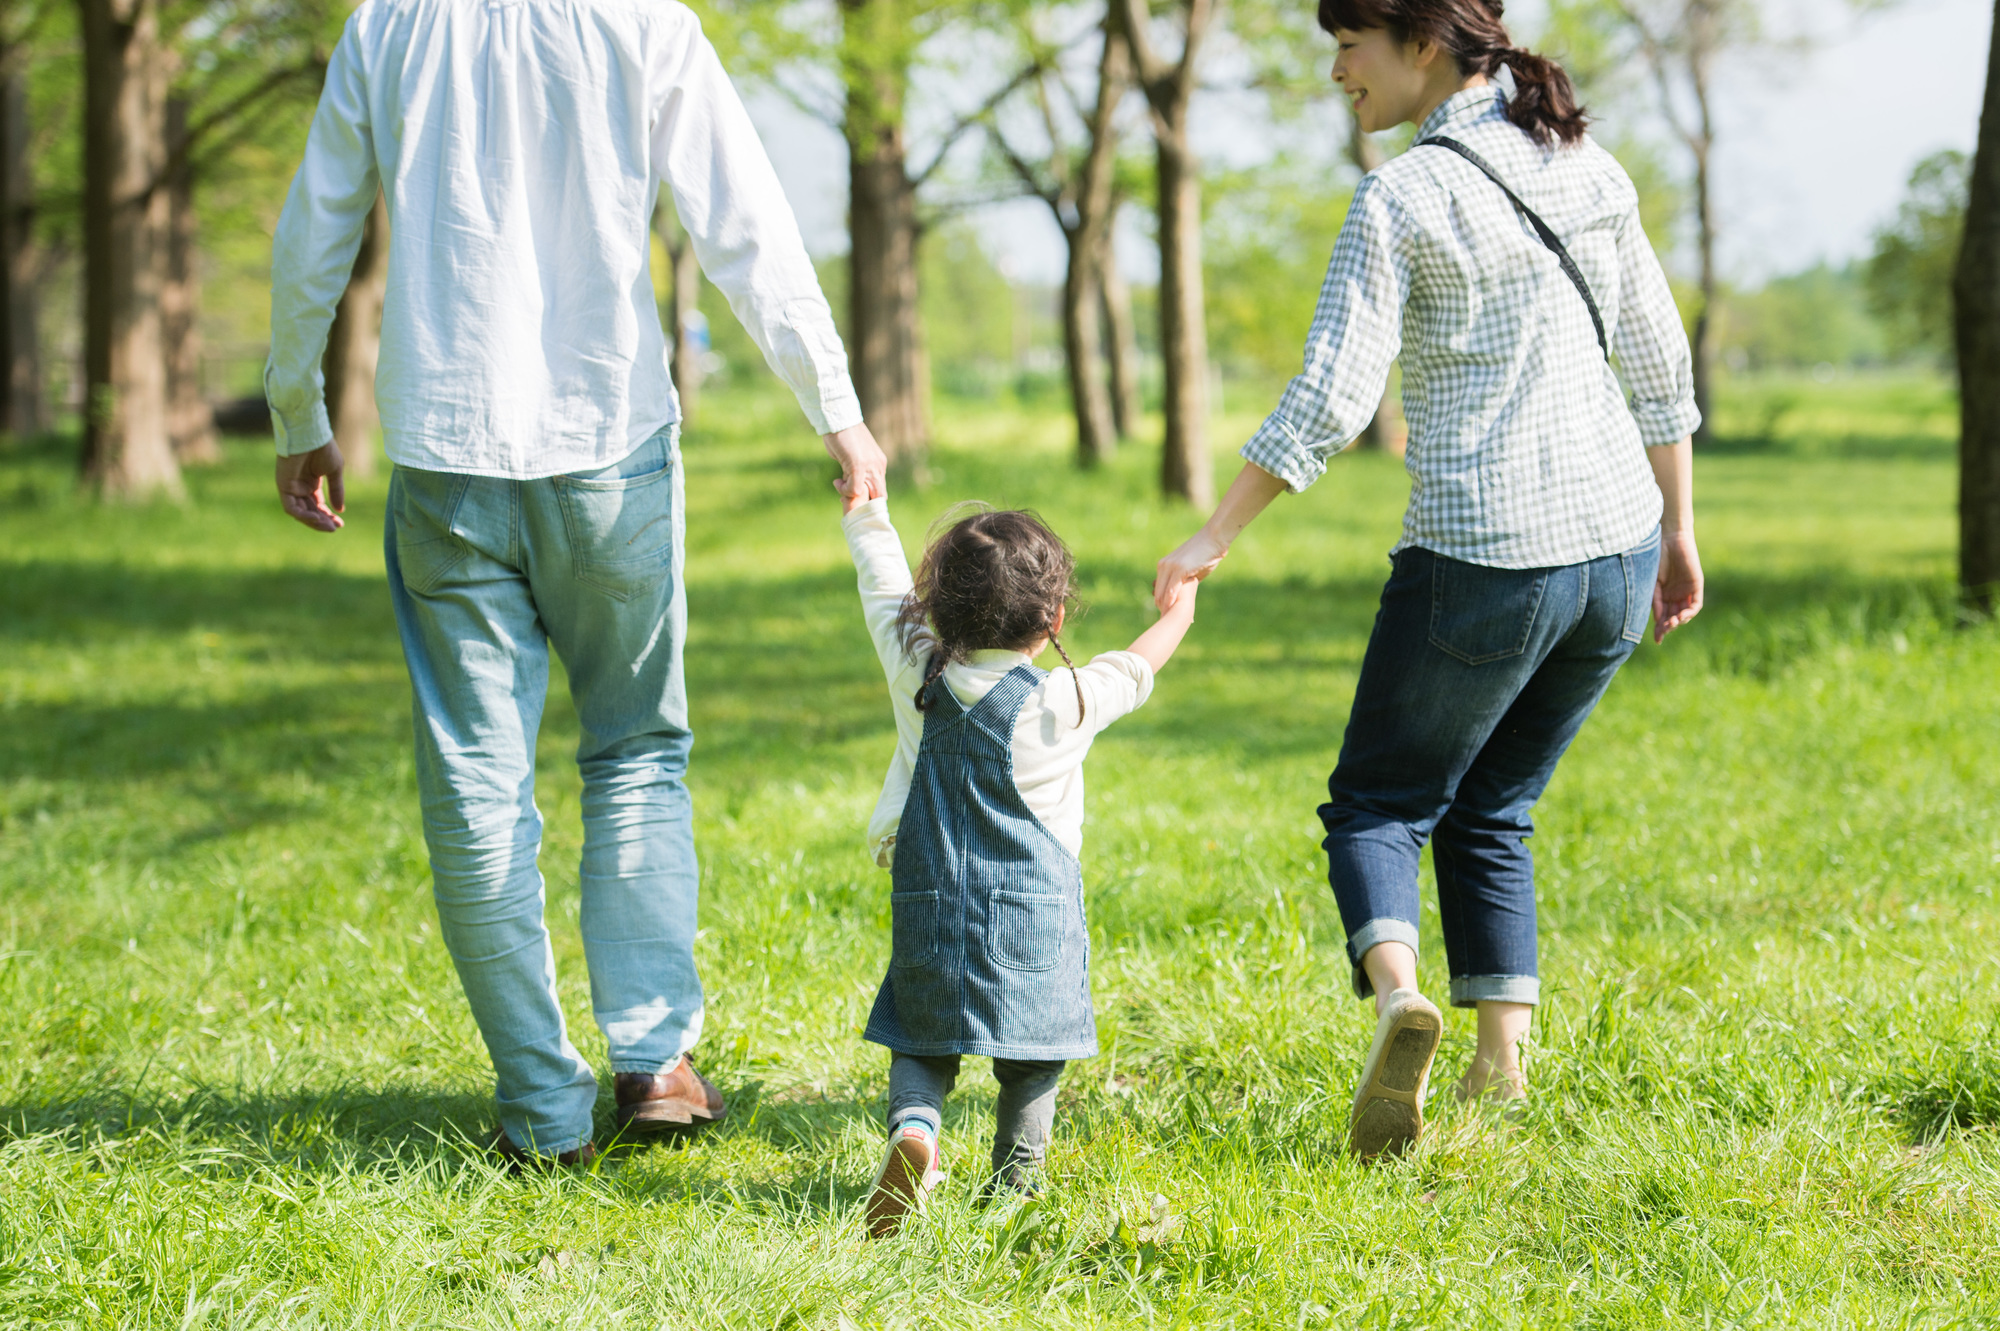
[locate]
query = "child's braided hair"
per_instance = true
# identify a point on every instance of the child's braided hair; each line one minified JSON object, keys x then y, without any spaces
{"x":991,"y":578}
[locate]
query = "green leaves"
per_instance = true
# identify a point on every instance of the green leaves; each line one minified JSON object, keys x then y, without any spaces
{"x":1910,"y":273}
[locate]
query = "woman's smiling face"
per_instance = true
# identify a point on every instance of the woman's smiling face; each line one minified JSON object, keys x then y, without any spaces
{"x":1386,"y":81}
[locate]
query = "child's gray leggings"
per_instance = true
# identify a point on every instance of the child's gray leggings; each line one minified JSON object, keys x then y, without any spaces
{"x":1027,"y":1108}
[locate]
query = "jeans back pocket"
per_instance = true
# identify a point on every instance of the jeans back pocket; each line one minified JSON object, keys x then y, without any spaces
{"x":622,"y":528}
{"x":1641,"y":566}
{"x":423,"y":505}
{"x":1481,"y":614}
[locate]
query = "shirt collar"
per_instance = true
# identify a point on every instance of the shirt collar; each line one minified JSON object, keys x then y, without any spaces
{"x":1465,"y":105}
{"x":993,"y":657}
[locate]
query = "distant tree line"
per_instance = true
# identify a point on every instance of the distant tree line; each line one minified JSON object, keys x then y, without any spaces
{"x":137,"y":135}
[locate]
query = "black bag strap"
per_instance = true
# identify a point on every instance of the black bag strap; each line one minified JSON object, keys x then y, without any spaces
{"x":1542,"y":229}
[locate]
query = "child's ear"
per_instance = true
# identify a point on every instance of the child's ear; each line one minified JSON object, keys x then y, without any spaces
{"x":1062,"y":613}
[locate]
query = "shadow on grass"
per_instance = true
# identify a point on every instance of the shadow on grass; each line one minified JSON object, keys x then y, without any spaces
{"x":345,"y":1128}
{"x":779,"y":668}
{"x":1859,"y":447}
{"x":1952,"y":1087}
{"x":314,"y":614}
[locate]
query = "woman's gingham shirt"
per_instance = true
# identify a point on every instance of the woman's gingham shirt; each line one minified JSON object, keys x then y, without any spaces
{"x":1523,"y":452}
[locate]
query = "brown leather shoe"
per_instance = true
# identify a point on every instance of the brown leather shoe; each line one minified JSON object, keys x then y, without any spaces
{"x":518,"y":1161}
{"x":677,"y":1100}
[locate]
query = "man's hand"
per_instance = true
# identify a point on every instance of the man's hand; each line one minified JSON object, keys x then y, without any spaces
{"x":1677,"y":595}
{"x":864,"y":471}
{"x":299,"y":487}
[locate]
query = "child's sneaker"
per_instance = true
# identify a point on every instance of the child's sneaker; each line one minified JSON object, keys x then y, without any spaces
{"x":909,"y":1171}
{"x":1389,"y":1102}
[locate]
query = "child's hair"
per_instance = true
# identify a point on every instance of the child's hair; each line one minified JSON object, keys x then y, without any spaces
{"x":992,"y":578}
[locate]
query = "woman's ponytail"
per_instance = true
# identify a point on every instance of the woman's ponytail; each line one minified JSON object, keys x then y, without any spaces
{"x":1544,"y":100}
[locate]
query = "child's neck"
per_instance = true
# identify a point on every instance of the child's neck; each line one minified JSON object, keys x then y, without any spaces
{"x":1031,"y":651}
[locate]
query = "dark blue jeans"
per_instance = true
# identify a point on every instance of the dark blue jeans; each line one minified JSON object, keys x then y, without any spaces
{"x":1475,"y":682}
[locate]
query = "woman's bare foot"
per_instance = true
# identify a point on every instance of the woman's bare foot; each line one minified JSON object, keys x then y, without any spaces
{"x":1491,"y":1085}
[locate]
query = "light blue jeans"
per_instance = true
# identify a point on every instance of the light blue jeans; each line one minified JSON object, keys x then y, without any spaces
{"x":486,"y":574}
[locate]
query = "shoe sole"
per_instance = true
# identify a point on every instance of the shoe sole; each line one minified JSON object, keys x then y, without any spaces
{"x":1388,"y":1117}
{"x":642,"y":1124}
{"x":896,"y":1189}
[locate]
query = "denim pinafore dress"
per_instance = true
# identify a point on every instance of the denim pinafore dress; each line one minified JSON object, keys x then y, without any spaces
{"x":990,"y":953}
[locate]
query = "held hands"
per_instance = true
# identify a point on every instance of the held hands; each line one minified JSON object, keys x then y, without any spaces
{"x":864,"y":471}
{"x":1200,"y":555}
{"x":1677,"y":595}
{"x":1248,"y":495}
{"x":299,"y":487}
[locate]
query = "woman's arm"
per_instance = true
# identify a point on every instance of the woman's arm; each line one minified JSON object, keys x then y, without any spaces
{"x":1249,"y":494}
{"x":1677,"y":595}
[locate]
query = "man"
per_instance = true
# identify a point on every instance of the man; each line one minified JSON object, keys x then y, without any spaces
{"x":537,"y":498}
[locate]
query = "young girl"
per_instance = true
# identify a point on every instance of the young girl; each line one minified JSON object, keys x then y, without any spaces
{"x":980,"y":823}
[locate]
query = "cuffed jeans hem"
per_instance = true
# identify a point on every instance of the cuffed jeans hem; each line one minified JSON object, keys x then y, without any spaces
{"x":1469,"y":990}
{"x":1382,"y":929}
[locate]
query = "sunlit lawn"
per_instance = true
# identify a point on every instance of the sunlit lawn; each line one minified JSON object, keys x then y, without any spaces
{"x":239,"y":1087}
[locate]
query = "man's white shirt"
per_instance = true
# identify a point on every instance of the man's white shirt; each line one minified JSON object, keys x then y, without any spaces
{"x":520,"y":145}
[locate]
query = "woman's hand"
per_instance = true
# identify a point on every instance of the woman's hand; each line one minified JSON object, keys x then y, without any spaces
{"x":1198,"y":556}
{"x":1248,"y":495}
{"x":1678,"y":592}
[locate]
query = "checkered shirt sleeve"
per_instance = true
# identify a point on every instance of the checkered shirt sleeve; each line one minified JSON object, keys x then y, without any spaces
{"x":1357,"y":332}
{"x":1524,"y":449}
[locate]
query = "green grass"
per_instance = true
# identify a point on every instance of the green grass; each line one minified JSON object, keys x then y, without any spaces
{"x":239,"y":1087}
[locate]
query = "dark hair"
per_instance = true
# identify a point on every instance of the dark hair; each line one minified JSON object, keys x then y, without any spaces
{"x":1544,"y":100}
{"x":995,"y":578}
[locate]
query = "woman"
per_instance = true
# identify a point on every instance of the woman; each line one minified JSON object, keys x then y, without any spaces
{"x":1548,"y":516}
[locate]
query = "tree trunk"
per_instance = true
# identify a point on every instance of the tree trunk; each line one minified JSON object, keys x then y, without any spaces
{"x":885,"y":329}
{"x":1701,"y":52}
{"x":1386,"y":432}
{"x":1976,"y":296}
{"x":1185,"y":472}
{"x":1086,"y":189}
{"x":126,"y":451}
{"x":683,"y":307}
{"x":190,"y":419}
{"x":1121,"y":338}
{"x":1704,"y":319}
{"x":1096,"y":435}
{"x":354,"y":344}
{"x":20,"y":275}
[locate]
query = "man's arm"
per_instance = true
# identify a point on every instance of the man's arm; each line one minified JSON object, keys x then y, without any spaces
{"x":312,"y":257}
{"x":747,"y":240}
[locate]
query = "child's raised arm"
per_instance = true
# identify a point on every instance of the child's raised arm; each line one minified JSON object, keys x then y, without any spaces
{"x":1157,"y":643}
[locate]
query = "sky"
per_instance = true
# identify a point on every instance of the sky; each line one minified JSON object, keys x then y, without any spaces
{"x":1813,"y":150}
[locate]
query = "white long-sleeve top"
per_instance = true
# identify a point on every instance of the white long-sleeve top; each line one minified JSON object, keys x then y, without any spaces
{"x":520,"y":145}
{"x":1050,"y":739}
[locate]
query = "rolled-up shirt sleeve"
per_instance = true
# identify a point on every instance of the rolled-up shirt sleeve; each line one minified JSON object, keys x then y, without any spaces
{"x":313,"y":249}
{"x":1651,"y":343}
{"x":745,"y":236}
{"x":1355,"y":337}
